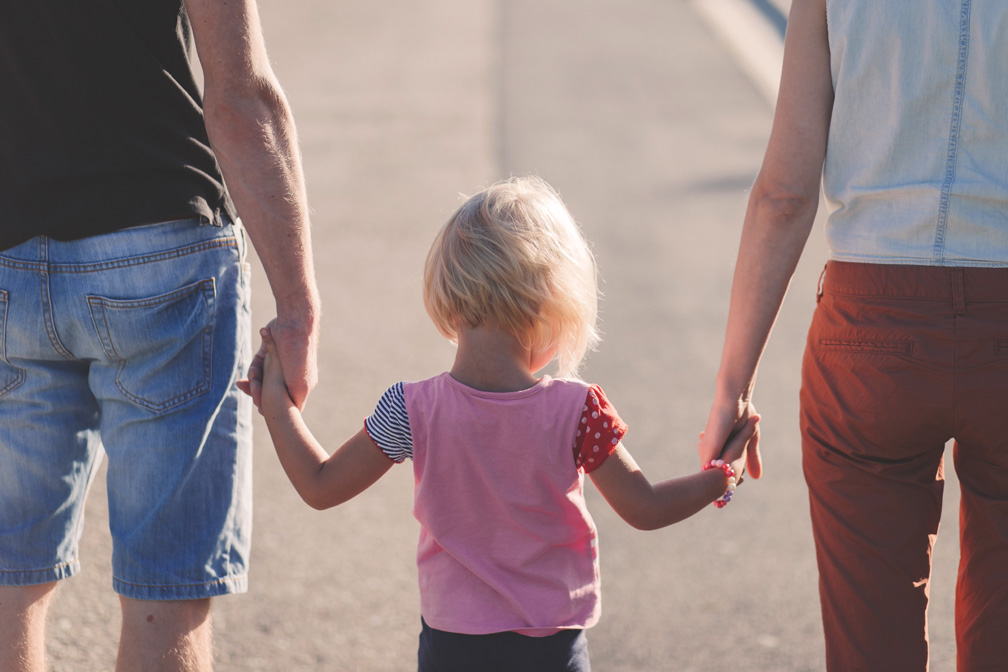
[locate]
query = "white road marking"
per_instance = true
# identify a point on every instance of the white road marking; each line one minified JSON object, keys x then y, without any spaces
{"x":753,"y":41}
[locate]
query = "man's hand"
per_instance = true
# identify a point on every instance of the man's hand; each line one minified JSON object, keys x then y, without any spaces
{"x":297,"y":348}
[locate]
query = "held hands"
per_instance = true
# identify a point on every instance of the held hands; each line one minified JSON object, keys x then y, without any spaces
{"x":731,"y":428}
{"x":297,"y":350}
{"x":735,"y":452}
{"x":266,"y":376}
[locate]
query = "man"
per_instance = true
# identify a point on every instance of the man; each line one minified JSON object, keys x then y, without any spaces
{"x":124,"y":319}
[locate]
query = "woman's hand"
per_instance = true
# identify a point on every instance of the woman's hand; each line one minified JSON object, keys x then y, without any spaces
{"x":719,"y":438}
{"x":743,"y":442}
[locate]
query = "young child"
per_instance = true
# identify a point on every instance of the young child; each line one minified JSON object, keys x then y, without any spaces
{"x":507,"y":558}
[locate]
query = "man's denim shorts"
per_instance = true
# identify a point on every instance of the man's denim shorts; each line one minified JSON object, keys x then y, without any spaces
{"x":129,"y":342}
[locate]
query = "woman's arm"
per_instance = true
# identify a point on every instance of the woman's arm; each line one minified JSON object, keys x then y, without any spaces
{"x":648,"y":506}
{"x":781,"y":210}
{"x":322,"y":480}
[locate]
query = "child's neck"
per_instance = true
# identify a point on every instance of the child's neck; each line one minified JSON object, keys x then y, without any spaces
{"x":492,"y":360}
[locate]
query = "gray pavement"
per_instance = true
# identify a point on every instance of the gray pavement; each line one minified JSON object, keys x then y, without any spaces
{"x":653,"y":135}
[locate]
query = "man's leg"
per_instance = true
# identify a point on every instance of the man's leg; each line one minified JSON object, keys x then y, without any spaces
{"x":22,"y":627}
{"x":170,"y":636}
{"x":49,"y":453}
{"x":173,"y":326}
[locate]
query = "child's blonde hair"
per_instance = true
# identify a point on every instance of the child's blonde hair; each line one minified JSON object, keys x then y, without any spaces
{"x":511,"y":256}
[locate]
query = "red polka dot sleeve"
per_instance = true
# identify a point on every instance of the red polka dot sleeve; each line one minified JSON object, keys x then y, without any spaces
{"x":599,"y":430}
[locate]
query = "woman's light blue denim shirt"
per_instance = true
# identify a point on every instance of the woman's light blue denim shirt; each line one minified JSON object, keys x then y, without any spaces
{"x":916,"y":167}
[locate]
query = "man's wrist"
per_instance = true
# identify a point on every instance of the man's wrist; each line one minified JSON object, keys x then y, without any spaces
{"x":302,"y":313}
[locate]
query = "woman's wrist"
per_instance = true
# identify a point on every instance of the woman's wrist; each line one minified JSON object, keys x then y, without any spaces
{"x":732,"y":390}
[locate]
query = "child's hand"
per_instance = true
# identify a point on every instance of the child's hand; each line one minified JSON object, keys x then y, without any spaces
{"x":274,"y":389}
{"x":252,"y":384}
{"x":725,"y":419}
{"x":734,"y":452}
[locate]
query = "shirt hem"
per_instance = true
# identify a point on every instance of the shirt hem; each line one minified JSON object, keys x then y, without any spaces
{"x":917,"y":261}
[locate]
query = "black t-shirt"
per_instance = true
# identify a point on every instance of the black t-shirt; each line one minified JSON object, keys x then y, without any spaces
{"x":101,"y":120}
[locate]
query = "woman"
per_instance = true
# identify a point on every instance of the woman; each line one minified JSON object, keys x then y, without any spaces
{"x":901,"y":109}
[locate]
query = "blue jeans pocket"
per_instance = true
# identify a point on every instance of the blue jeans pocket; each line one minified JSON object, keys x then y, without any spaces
{"x":10,"y":376}
{"x":162,"y":344}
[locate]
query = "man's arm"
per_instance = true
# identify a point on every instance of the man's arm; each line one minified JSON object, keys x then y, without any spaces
{"x":252,"y":133}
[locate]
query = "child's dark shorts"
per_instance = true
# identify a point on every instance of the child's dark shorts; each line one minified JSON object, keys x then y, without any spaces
{"x":566,"y":651}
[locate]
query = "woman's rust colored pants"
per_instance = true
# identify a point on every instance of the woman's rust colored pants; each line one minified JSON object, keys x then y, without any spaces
{"x":899,"y":360}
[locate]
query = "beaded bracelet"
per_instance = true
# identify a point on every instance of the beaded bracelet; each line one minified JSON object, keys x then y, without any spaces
{"x":729,"y":474}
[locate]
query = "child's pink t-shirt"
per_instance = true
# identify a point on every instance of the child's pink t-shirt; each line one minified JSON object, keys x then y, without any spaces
{"x":506,"y":540}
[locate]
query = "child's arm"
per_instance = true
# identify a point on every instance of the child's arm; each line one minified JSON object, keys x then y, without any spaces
{"x":648,"y":506}
{"x":322,"y":480}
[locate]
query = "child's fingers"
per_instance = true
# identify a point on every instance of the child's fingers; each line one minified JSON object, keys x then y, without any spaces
{"x":735,"y":450}
{"x":253,"y":388}
{"x":252,"y":385}
{"x":744,"y":434}
{"x":255,"y":369}
{"x":272,"y":363}
{"x":267,"y":339}
{"x":269,"y":345}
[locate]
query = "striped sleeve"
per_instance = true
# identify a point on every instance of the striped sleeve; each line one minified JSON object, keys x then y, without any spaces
{"x":389,"y":426}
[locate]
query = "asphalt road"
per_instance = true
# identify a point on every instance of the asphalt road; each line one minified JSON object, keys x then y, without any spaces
{"x":639,"y":116}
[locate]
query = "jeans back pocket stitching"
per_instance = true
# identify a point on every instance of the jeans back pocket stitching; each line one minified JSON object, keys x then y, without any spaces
{"x":207,"y":288}
{"x":19,"y":372}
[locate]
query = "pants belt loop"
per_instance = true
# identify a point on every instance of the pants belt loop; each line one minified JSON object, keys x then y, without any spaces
{"x":819,"y":287}
{"x":958,"y":294}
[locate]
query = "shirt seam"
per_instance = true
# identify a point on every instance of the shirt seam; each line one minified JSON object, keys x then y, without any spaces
{"x":938,"y":251}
